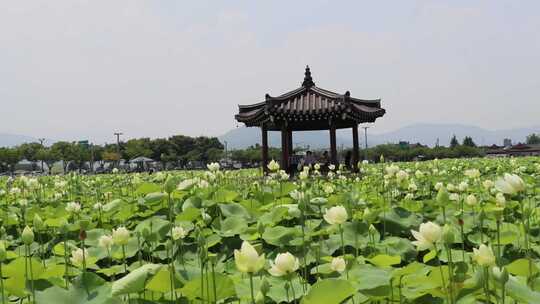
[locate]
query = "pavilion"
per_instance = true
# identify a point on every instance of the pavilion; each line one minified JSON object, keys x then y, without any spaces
{"x":305,"y":109}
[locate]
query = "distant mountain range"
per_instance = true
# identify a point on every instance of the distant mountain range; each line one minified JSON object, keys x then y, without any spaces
{"x":9,"y":140}
{"x":423,"y":133}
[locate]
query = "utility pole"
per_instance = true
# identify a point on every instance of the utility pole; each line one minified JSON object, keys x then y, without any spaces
{"x":92,"y":158}
{"x":226,"y":158}
{"x":117,"y":134}
{"x":365,"y":138}
{"x":41,"y":140}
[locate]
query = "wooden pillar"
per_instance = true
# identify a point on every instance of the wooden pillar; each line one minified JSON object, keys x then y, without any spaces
{"x":284,"y":148}
{"x":264,"y":148}
{"x":290,"y":143}
{"x":356,"y":152}
{"x":333,"y":149}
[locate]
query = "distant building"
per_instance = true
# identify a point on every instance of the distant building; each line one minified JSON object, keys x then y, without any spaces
{"x":507,"y":142}
{"x":515,"y":150}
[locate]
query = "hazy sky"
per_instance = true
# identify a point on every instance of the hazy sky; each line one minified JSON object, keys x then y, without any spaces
{"x":84,"y":69}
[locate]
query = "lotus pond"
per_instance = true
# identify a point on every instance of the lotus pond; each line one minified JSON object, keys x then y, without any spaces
{"x":448,"y":231}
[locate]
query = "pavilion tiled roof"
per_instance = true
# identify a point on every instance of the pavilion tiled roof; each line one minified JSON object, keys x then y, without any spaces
{"x":309,"y":108}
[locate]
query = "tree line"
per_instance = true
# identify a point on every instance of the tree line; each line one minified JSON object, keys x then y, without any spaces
{"x":177,"y":150}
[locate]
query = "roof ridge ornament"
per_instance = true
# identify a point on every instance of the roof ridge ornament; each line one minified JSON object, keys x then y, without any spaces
{"x":308,"y":81}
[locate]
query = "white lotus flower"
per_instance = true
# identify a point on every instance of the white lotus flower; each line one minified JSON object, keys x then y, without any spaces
{"x":178,"y":233}
{"x":484,"y":256}
{"x":213,"y":167}
{"x":186,"y":184}
{"x":402,"y":175}
{"x":73,"y":207}
{"x":338,"y":264}
{"x":105,"y":241}
{"x":328,"y":189}
{"x":438,"y":186}
{"x":510,"y":184}
{"x":471,"y":200}
{"x":336,"y":215}
{"x":297,"y":195}
{"x":472,"y":173}
{"x":428,"y":234}
{"x":273,"y":165}
{"x":247,"y":259}
{"x":203,"y":184}
{"x":462,"y":187}
{"x":77,"y":256}
{"x":454,"y":197}
{"x":120,"y":236}
{"x":284,"y":263}
{"x":391,"y":170}
{"x":488,"y":184}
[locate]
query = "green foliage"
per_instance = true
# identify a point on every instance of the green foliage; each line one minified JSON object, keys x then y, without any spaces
{"x":533,"y":139}
{"x":179,"y":243}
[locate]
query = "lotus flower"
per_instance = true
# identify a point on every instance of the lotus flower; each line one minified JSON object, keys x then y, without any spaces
{"x":247,"y":259}
{"x":336,"y":215}
{"x":284,"y":263}
{"x":510,"y":184}
{"x":120,"y":236}
{"x":273,"y":166}
{"x":484,"y":256}
{"x":105,"y":241}
{"x":338,"y":264}
{"x":428,"y":234}
{"x":178,"y":233}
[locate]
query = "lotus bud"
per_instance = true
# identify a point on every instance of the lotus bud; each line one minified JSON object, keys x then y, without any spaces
{"x":82,"y":235}
{"x":38,"y":222}
{"x":3,"y":253}
{"x":260,"y":228}
{"x":500,"y":274}
{"x":448,"y":235}
{"x":442,"y":196}
{"x":265,"y":286}
{"x":170,"y":184}
{"x":259,"y":298}
{"x":372,"y":230}
{"x":27,"y":236}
